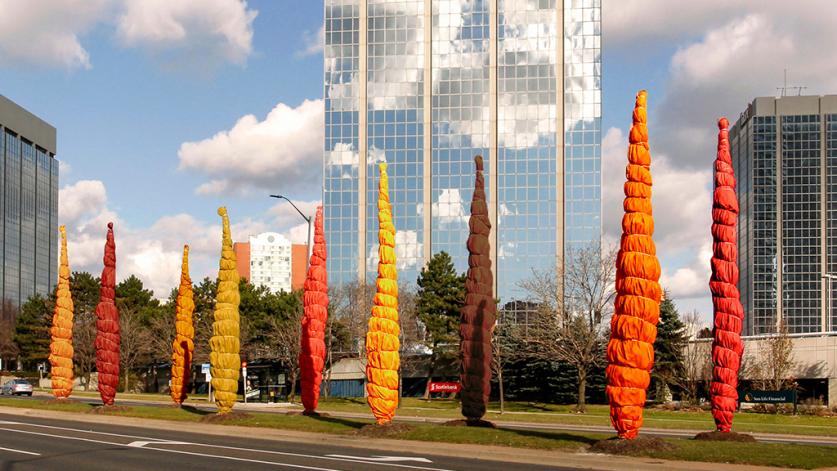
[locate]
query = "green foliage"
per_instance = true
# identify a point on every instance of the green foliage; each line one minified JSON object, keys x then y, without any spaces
{"x":131,"y":294}
{"x":441,"y":294}
{"x":670,"y":344}
{"x":32,"y":330}
{"x":84,"y":288}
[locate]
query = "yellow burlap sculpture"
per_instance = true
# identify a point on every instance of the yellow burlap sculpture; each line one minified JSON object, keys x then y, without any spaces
{"x":224,"y":359}
{"x":183,"y":345}
{"x":61,"y":346}
{"x":382,"y":344}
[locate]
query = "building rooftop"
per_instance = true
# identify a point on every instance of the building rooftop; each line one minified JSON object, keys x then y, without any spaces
{"x":33,"y":128}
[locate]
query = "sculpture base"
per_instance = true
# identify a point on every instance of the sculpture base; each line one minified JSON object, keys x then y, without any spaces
{"x":224,"y":418}
{"x":725,"y":437}
{"x":108,"y":409}
{"x":384,"y":431}
{"x":636,"y":447}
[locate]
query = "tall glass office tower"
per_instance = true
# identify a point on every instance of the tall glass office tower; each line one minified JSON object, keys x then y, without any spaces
{"x":426,"y":85}
{"x":29,"y":207}
{"x":785,"y":154}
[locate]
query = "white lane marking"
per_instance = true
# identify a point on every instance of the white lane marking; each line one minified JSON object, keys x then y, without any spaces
{"x":20,"y":451}
{"x":231,"y":458}
{"x":223,"y":447}
{"x":140,"y":444}
{"x":383,"y":459}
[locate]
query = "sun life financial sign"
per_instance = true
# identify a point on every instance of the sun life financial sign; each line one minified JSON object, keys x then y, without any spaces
{"x":445,"y":387}
{"x":769,"y":397}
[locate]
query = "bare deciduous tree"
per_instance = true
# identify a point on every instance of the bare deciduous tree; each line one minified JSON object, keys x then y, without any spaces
{"x":697,"y":359}
{"x":84,"y":349}
{"x":135,"y":343}
{"x":771,"y":366}
{"x":571,"y":328}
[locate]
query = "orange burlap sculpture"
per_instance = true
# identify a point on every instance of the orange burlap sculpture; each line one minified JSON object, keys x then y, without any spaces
{"x":224,"y":357}
{"x":630,"y":352}
{"x":315,"y":316}
{"x":382,"y":344}
{"x":727,"y":347}
{"x":479,"y":313}
{"x":107,"y":326}
{"x":183,"y":345}
{"x":61,"y":346}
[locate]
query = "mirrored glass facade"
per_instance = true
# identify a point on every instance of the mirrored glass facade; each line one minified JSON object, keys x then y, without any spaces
{"x":29,"y":203}
{"x":426,"y":85}
{"x":784,"y":154}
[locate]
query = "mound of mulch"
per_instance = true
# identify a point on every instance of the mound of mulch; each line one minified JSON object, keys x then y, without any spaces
{"x":725,"y":437}
{"x":469,"y":423}
{"x":54,"y":401}
{"x":105,"y":410}
{"x":224,"y":418}
{"x":383,"y":431}
{"x":637,"y":447}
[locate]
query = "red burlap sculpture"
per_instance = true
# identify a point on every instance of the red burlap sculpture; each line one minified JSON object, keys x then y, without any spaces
{"x":107,"y":326}
{"x":480,"y":311}
{"x":727,"y":347}
{"x":630,"y":352}
{"x":315,"y":302}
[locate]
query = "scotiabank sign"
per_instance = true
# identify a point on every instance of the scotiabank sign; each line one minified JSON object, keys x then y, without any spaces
{"x":445,"y":387}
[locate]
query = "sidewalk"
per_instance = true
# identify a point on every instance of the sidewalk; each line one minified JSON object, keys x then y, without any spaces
{"x":494,"y":453}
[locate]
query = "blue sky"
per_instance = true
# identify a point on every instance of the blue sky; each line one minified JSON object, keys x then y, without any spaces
{"x":151,"y":97}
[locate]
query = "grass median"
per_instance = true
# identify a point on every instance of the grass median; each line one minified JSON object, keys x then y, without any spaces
{"x":766,"y":454}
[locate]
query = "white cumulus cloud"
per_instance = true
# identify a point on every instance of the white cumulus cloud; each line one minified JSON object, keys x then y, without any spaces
{"x":48,"y":34}
{"x":283,"y":152}
{"x":209,"y":29}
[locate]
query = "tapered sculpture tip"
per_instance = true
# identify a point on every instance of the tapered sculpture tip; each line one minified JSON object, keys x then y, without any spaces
{"x":723,"y":123}
{"x":478,"y":161}
{"x":185,"y":249}
{"x":110,"y":225}
{"x":222,"y":211}
{"x":63,"y":230}
{"x":641,"y":98}
{"x":382,"y":166}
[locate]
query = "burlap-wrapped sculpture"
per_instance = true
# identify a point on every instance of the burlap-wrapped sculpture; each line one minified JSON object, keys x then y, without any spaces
{"x":224,"y":357}
{"x":61,"y":346}
{"x":727,"y":347}
{"x":107,"y":326}
{"x":183,"y":345}
{"x":315,"y":316}
{"x":630,"y":352}
{"x":480,"y":311}
{"x":382,"y":344}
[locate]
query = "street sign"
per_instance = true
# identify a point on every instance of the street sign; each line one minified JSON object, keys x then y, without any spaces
{"x":205,"y":368}
{"x":769,"y":397}
{"x":448,"y":387}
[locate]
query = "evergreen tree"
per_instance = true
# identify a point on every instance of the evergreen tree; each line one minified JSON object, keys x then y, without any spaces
{"x":669,"y":346}
{"x":441,"y":295}
{"x":32,"y":331}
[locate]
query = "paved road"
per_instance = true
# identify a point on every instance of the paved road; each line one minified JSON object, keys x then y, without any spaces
{"x":28,"y":443}
{"x":777,"y":437}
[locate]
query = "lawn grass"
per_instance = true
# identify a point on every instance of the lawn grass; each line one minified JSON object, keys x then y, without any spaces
{"x":599,"y":415}
{"x":766,"y":454}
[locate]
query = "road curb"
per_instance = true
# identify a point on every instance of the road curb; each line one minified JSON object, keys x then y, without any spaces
{"x":485,"y":452}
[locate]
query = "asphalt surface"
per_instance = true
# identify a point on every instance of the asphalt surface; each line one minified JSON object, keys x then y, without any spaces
{"x":28,"y":443}
{"x":777,"y":437}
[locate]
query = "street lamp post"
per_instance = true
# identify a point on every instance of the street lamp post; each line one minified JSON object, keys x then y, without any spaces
{"x":308,"y":220}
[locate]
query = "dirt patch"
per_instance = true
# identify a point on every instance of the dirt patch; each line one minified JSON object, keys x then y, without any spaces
{"x":383,"y":431}
{"x":470,"y":423}
{"x":105,"y":410}
{"x":725,"y":437}
{"x":53,"y":401}
{"x":637,"y":447}
{"x":224,"y":418}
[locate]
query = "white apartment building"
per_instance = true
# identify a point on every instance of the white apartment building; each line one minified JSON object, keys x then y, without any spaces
{"x":270,"y":261}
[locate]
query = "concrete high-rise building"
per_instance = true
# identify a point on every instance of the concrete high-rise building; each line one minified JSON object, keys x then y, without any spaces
{"x":271,"y":260}
{"x":426,"y":85}
{"x":785,"y":155}
{"x":29,"y":205}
